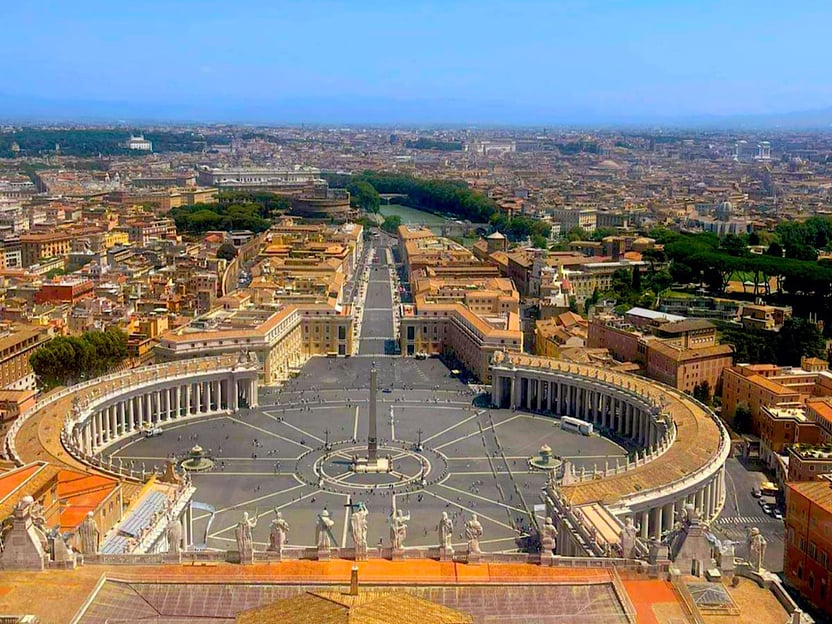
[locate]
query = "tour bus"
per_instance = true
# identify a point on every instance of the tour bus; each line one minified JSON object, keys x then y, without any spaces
{"x":574,"y":424}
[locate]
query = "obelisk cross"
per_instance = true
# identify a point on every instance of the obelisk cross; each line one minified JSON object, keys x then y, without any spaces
{"x":372,"y":436}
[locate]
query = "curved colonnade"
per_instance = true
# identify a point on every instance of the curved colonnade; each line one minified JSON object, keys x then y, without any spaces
{"x":683,"y":446}
{"x":96,"y":414}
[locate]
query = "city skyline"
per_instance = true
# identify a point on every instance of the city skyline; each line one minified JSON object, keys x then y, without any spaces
{"x":526,"y":63}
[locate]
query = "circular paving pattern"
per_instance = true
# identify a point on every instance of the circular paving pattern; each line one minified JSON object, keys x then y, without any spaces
{"x":333,"y":468}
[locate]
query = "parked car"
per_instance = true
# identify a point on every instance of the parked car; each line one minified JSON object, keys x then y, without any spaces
{"x":777,"y":514}
{"x":756,"y":493}
{"x":767,"y":509}
{"x":150,"y":431}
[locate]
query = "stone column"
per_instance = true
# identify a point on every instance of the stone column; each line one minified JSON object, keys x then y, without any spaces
{"x":656,"y":525}
{"x":645,"y":524}
{"x":668,"y":517}
{"x":254,"y":398}
{"x":188,"y":390}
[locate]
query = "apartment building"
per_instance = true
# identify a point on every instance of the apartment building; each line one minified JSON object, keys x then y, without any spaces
{"x":38,"y":245}
{"x":768,"y":385}
{"x":808,"y":541}
{"x":682,"y":354}
{"x":461,"y":307}
{"x":571,"y":218}
{"x":17,"y":343}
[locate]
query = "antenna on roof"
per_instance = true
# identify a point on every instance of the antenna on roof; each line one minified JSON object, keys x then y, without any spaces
{"x":354,"y":581}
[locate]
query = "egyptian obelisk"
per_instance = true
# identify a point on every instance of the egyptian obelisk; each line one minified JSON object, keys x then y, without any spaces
{"x":372,"y":436}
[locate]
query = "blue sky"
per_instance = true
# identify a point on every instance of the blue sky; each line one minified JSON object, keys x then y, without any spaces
{"x":458,"y":60}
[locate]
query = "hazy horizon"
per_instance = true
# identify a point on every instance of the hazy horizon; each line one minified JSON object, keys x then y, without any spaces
{"x":430,"y":62}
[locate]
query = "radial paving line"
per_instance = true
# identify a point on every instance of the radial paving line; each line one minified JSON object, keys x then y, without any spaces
{"x":471,"y":435}
{"x":267,"y":432}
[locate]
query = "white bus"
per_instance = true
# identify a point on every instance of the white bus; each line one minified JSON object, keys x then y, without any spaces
{"x":575,"y":424}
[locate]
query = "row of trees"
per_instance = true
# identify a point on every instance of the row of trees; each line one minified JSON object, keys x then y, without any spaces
{"x":234,"y":210}
{"x":703,"y":258}
{"x":95,"y":141}
{"x":424,"y":143}
{"x":68,"y":359}
{"x":449,"y":197}
{"x":798,"y":337}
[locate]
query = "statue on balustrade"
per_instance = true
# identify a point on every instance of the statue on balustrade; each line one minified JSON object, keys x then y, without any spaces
{"x":358,"y":527}
{"x":549,"y":537}
{"x":278,"y":533}
{"x":323,"y":531}
{"x":473,"y":533}
{"x":89,"y":535}
{"x":628,"y":538}
{"x":245,"y":542}
{"x":756,"y":549}
{"x":398,"y":529}
{"x":446,"y":533}
{"x":174,"y":535}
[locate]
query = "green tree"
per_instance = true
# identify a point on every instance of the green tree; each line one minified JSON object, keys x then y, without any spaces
{"x":363,"y":195}
{"x":391,"y":223}
{"x":68,"y":359}
{"x":775,"y":250}
{"x":742,"y":419}
{"x":702,"y":392}
{"x":227,"y":251}
{"x":539,"y":242}
{"x":797,"y":338}
{"x":636,"y":280}
{"x":601,"y":233}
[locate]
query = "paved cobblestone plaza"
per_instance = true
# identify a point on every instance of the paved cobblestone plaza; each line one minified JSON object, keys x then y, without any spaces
{"x":474,"y":461}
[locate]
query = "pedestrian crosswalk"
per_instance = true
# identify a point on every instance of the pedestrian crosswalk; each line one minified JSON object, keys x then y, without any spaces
{"x":750,"y":520}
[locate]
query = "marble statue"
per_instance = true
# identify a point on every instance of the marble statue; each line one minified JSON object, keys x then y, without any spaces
{"x":628,"y":538}
{"x":473,"y":533}
{"x":323,"y":531}
{"x":549,"y":536}
{"x":174,"y":535}
{"x":245,"y":542}
{"x":358,"y":526}
{"x":446,"y":532}
{"x":691,"y":514}
{"x":756,"y":549}
{"x":89,"y":535}
{"x":398,"y":529}
{"x":278,"y":533}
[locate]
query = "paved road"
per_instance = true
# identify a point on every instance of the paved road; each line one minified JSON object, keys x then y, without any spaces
{"x":377,"y":332}
{"x":742,"y":511}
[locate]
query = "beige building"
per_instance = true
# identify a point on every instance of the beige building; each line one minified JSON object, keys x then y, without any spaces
{"x":283,"y":336}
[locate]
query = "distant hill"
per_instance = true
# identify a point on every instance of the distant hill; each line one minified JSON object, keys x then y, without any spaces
{"x":374,"y":111}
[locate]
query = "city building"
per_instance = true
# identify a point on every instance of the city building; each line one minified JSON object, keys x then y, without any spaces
{"x":17,"y":343}
{"x":683,"y":354}
{"x":808,"y":541}
{"x":282,"y":336}
{"x":571,"y":218}
{"x":139,"y":143}
{"x":766,"y":385}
